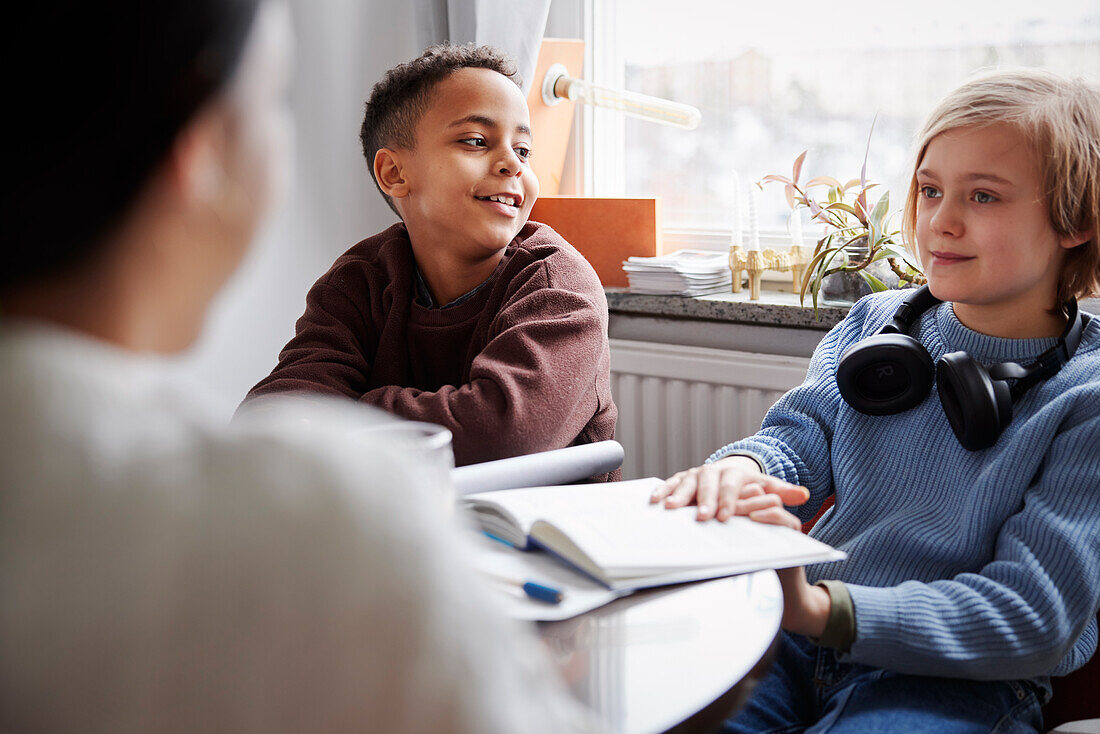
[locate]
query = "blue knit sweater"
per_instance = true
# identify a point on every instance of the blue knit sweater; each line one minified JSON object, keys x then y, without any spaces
{"x":981,"y":565}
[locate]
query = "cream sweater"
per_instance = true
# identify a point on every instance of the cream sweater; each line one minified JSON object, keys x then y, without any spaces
{"x":162,"y":572}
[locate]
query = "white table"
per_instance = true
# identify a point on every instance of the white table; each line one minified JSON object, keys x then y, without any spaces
{"x":679,"y":658}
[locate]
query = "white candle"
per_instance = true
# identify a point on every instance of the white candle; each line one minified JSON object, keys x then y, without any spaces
{"x":754,"y":219}
{"x":737,"y":237}
{"x":796,"y":228}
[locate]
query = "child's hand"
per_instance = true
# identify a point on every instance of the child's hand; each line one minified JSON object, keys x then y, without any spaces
{"x":805,"y":607}
{"x":732,"y":486}
{"x":736,"y":486}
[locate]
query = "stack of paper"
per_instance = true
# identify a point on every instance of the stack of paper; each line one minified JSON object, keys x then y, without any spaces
{"x":683,"y":273}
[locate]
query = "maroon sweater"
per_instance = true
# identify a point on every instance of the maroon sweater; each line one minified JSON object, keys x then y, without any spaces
{"x":521,"y":366}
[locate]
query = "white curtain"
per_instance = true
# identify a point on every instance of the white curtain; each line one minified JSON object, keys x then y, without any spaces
{"x":514,"y":26}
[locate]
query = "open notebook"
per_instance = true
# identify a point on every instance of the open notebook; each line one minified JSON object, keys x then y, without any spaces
{"x":612,"y":534}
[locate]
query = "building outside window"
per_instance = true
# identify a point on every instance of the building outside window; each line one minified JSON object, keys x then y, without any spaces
{"x":773,"y":79}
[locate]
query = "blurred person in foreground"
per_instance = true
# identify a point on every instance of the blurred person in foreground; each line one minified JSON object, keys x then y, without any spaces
{"x":160,"y":571}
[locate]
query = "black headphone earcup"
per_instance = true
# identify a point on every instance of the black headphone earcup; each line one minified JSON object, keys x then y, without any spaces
{"x":978,"y":407}
{"x":885,"y":374}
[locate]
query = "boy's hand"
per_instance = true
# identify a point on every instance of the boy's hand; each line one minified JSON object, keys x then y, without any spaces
{"x":732,"y":486}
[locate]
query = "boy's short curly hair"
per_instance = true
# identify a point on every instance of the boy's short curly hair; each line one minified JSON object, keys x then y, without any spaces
{"x":1061,"y":119}
{"x":397,"y":103}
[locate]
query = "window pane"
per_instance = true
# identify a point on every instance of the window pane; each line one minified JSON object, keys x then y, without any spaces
{"x":774,"y":79}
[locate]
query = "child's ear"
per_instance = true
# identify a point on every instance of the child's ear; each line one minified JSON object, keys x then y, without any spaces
{"x":390,"y":174}
{"x":1075,"y":239}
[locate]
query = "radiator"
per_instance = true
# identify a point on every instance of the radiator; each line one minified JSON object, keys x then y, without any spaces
{"x":677,"y":404}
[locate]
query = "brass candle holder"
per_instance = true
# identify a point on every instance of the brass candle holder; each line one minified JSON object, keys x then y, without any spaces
{"x":755,"y":262}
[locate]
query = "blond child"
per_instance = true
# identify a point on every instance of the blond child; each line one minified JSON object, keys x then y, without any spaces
{"x":959,"y":430}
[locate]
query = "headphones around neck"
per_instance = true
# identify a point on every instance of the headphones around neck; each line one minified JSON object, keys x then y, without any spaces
{"x":891,"y":372}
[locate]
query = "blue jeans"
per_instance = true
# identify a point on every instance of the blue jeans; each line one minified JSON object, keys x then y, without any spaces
{"x":808,"y":690}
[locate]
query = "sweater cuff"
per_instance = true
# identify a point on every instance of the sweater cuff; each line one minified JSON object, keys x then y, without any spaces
{"x":840,"y":629}
{"x":725,"y":453}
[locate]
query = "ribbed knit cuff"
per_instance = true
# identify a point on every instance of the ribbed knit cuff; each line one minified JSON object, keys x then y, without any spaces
{"x":878,"y":618}
{"x":840,"y":629}
{"x":724,"y":453}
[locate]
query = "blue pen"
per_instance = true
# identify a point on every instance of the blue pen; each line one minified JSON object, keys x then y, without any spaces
{"x":548,"y":594}
{"x":533,"y":589}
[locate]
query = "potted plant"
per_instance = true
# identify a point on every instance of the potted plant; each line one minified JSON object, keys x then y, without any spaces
{"x":861,"y":251}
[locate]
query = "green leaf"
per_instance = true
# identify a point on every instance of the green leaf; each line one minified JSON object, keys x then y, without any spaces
{"x":880,"y":253}
{"x":817,"y":269}
{"x":827,"y":265}
{"x":853,"y":241}
{"x":881,"y":208}
{"x":906,"y":257}
{"x":806,"y":283}
{"x":876,"y":284}
{"x":840,"y":205}
{"x":892,"y":250}
{"x":819,"y":257}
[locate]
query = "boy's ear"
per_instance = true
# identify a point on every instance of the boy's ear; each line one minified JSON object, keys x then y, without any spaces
{"x":390,"y":174}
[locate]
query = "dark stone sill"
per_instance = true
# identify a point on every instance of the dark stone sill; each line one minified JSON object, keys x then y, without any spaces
{"x":773,"y":308}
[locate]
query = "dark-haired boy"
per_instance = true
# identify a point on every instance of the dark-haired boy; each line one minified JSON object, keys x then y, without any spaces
{"x":464,"y":314}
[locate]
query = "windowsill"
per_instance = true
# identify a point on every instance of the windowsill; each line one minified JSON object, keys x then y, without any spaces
{"x":773,"y":308}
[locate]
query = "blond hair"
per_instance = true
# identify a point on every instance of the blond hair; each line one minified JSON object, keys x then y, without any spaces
{"x":1061,"y":119}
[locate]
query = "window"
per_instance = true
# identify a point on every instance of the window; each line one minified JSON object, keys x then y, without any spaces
{"x":773,"y":79}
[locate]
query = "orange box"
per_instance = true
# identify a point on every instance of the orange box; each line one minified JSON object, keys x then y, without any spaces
{"x":605,"y":231}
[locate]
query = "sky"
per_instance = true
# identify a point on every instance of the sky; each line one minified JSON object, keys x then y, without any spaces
{"x":724,"y":28}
